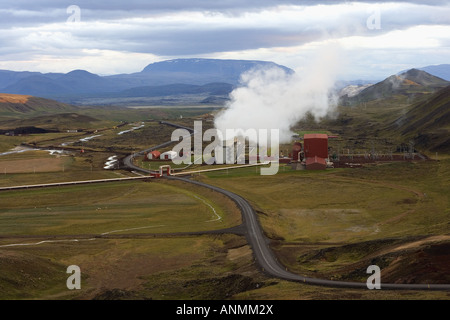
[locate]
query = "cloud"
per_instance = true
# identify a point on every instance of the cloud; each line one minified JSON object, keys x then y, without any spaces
{"x":205,"y":28}
{"x":200,"y":32}
{"x":20,"y":12}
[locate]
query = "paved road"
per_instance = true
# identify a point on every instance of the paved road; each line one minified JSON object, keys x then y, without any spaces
{"x":269,"y":264}
{"x":260,"y":244}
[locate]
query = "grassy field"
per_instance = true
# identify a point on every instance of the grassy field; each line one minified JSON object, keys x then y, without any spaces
{"x":114,"y":208}
{"x":365,"y":199}
{"x":73,"y":166}
{"x":146,"y":114}
{"x":46,"y":230}
{"x":335,"y":223}
{"x":33,"y":162}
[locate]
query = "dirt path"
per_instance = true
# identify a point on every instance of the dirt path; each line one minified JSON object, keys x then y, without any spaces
{"x":396,"y":218}
{"x":418,"y":243}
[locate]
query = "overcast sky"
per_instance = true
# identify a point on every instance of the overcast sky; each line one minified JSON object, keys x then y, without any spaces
{"x":373,"y":38}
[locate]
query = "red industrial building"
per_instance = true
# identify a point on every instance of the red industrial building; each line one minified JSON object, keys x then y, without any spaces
{"x":153,"y":155}
{"x":313,"y":154}
{"x":316,"y":151}
{"x":316,"y":163}
{"x":316,"y":145}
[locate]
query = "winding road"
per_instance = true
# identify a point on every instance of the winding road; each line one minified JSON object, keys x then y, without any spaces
{"x":260,"y":243}
{"x":270,"y":265}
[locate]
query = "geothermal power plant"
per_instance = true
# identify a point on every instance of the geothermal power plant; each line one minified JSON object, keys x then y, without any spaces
{"x":312,"y":154}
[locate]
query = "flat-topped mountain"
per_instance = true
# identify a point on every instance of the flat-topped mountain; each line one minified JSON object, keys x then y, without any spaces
{"x":178,"y":73}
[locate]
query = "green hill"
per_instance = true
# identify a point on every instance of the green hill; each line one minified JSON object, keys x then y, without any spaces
{"x":427,"y":123}
{"x":408,"y":85}
{"x":12,"y":105}
{"x":30,"y":113}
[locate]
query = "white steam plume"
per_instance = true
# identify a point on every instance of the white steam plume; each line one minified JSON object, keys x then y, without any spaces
{"x":273,"y":99}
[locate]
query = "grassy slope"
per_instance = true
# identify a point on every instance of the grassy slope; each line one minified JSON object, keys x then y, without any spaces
{"x":428,"y":122}
{"x":16,"y":105}
{"x":167,"y":268}
{"x":60,"y":122}
{"x":390,"y":124}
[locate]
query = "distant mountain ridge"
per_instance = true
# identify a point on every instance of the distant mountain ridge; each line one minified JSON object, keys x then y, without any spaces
{"x":231,"y":69}
{"x":203,"y":80}
{"x":177,"y":72}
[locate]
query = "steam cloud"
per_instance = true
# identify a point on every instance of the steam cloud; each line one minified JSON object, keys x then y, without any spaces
{"x":273,"y":99}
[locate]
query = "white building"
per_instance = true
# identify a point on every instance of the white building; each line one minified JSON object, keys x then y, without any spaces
{"x":169,"y":155}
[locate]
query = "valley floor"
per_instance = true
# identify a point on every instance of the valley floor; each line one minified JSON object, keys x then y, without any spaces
{"x":166,"y":240}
